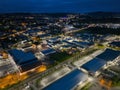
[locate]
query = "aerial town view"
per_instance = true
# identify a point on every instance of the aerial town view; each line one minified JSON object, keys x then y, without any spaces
{"x":59,"y":45}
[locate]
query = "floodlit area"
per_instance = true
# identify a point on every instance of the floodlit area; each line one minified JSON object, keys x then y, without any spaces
{"x":69,"y":81}
{"x":54,"y":76}
{"x":15,"y":78}
{"x":7,"y":66}
{"x":92,"y":66}
{"x":87,"y":58}
{"x":89,"y":68}
{"x":12,"y":79}
{"x":41,"y":68}
{"x":57,"y":53}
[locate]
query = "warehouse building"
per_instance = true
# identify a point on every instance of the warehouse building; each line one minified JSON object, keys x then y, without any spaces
{"x":25,"y":60}
{"x":101,"y":61}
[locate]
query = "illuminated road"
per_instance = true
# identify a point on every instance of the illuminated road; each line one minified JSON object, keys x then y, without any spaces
{"x":83,"y":60}
{"x":73,"y":31}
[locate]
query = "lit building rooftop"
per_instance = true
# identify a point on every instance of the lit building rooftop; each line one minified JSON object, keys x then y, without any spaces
{"x":109,"y":55}
{"x":69,"y":81}
{"x":23,"y":59}
{"x":94,"y":65}
{"x":48,"y":51}
{"x":116,"y":43}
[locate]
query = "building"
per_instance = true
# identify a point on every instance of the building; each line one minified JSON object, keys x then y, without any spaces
{"x":24,"y":60}
{"x":83,"y":44}
{"x":48,"y":51}
{"x":115,"y":44}
{"x":108,"y":57}
{"x":69,"y":81}
{"x":94,"y":65}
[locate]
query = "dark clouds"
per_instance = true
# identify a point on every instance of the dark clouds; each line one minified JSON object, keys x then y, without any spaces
{"x":59,"y":5}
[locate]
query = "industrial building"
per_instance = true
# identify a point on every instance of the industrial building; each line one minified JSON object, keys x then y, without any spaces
{"x":115,"y":44}
{"x":94,"y":65}
{"x":101,"y":61}
{"x":25,"y":60}
{"x":69,"y":81}
{"x":48,"y":51}
{"x":109,"y":55}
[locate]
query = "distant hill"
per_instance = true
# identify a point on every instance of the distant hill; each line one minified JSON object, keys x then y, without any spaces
{"x":104,"y":14}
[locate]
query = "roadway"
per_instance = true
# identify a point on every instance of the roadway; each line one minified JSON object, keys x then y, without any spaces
{"x":73,"y":31}
{"x":83,"y":60}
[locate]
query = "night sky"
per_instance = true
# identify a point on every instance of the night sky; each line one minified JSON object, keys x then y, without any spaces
{"x":52,"y":6}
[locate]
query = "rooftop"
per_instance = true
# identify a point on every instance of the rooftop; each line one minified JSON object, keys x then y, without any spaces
{"x":94,"y":65}
{"x":68,"y":82}
{"x":83,"y":44}
{"x":116,"y":43}
{"x":25,"y":60}
{"x":48,"y":51}
{"x":21,"y":57}
{"x":109,"y":55}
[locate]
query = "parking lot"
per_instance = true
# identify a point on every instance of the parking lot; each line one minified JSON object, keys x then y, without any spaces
{"x":7,"y":66}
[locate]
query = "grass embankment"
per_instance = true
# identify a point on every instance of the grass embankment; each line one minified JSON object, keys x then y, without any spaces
{"x":87,"y":86}
{"x":60,"y":57}
{"x":116,"y":80}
